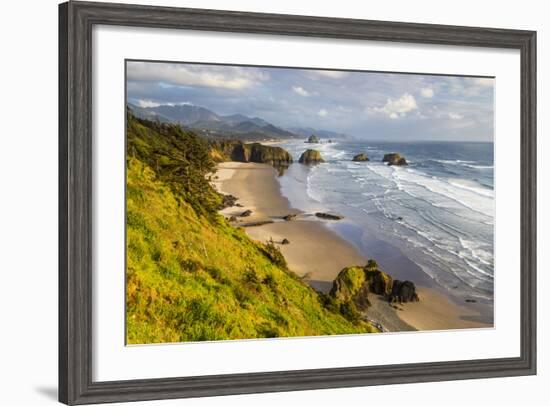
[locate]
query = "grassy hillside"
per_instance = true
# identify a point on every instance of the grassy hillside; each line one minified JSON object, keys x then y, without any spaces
{"x":190,"y":275}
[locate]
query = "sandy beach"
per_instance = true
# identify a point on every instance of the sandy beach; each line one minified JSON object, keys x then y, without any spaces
{"x":318,"y":254}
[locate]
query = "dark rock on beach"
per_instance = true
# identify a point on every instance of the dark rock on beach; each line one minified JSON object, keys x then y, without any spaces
{"x":311,"y":156}
{"x":403,"y":292}
{"x":395,"y":159}
{"x":285,"y":241}
{"x":328,"y":216}
{"x":290,"y":217}
{"x":257,"y":223}
{"x":227,"y":201}
{"x":355,"y":284}
{"x":246,"y":213}
{"x":349,"y":286}
{"x":379,"y":283}
{"x":361,"y":298}
{"x":360,"y":158}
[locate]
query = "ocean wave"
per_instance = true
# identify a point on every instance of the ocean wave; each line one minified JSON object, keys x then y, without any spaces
{"x":461,"y":165}
{"x":476,"y":252}
{"x":442,"y":217}
{"x":480,"y":166}
{"x":467,"y":273}
{"x":472,"y":186}
{"x":453,"y":161}
{"x":405,"y":179}
{"x":473,"y":200}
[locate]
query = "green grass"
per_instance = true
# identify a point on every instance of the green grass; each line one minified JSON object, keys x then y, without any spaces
{"x":193,"y":277}
{"x":351,"y":279}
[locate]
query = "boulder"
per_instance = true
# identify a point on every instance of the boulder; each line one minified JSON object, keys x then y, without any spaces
{"x":403,"y":292}
{"x":355,"y":284}
{"x":311,"y":156}
{"x":232,"y":219}
{"x":312,"y":139}
{"x":348,"y":282}
{"x":349,"y":287}
{"x":246,"y":213}
{"x":258,"y":223}
{"x":328,"y":216}
{"x":360,"y":158}
{"x":394,"y":159}
{"x":400,"y":162}
{"x":378,"y":282}
{"x":285,"y":241}
{"x":361,"y":298}
{"x":289,"y":217}
{"x":227,"y":201}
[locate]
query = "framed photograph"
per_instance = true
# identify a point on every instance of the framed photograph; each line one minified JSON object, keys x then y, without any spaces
{"x":259,"y":202}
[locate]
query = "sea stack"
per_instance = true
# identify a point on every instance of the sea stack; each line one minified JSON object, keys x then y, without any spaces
{"x":313,"y":139}
{"x":360,"y":158}
{"x":311,"y":156}
{"x":395,"y":159}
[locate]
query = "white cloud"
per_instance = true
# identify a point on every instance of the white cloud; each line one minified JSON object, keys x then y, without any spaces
{"x":334,"y":74}
{"x":427,"y":92}
{"x":150,"y":103}
{"x":483,"y":82}
{"x":225,"y":77}
{"x":469,"y":87}
{"x":455,"y":116}
{"x":397,"y":108}
{"x":147,"y":103}
{"x":322,"y":113}
{"x":301,"y":91}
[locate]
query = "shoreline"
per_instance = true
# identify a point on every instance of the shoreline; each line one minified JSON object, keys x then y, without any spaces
{"x":317,"y":252}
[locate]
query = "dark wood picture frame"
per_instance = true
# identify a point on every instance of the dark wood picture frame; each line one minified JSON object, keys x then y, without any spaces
{"x":76,"y":20}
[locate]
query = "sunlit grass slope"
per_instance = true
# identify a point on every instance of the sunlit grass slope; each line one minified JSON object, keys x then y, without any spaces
{"x":190,"y":275}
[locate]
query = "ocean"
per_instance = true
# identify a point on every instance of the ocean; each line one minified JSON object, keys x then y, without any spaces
{"x":438,"y":211}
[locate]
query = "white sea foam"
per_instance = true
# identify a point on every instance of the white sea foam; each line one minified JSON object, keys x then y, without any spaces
{"x":472,"y":186}
{"x":445,"y":224}
{"x":481,"y":166}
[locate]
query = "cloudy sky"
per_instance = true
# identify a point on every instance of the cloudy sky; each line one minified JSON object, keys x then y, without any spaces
{"x":378,"y":106}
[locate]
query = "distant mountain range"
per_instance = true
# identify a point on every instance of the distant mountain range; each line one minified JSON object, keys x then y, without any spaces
{"x":216,"y":126}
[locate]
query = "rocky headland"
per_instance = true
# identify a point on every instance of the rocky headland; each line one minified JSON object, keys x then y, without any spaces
{"x":239,"y":151}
